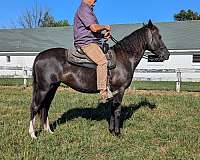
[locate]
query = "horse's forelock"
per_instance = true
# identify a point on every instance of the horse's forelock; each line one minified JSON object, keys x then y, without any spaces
{"x":152,"y":28}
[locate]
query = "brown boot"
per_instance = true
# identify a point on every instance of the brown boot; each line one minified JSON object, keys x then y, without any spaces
{"x":106,"y":94}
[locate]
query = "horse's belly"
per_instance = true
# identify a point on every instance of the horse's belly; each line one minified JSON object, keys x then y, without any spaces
{"x":81,"y":81}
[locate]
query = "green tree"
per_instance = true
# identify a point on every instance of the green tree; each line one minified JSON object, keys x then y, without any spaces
{"x":61,"y":23}
{"x":49,"y":21}
{"x":184,"y":15}
{"x":38,"y":17}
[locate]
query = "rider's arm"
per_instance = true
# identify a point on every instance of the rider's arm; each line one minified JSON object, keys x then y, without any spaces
{"x":97,"y":27}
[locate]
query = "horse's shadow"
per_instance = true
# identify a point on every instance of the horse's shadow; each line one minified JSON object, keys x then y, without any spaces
{"x":102,"y":112}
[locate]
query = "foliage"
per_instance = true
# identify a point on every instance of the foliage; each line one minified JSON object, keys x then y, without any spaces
{"x":184,"y":15}
{"x":170,"y":131}
{"x":38,"y":17}
{"x":49,"y":21}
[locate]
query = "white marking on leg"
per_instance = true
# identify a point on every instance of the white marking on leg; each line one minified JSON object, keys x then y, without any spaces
{"x":46,"y":126}
{"x":32,"y":129}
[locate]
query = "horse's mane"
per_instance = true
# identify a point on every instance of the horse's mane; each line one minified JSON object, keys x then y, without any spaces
{"x":133,"y":42}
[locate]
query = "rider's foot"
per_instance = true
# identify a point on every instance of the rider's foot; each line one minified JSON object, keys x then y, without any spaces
{"x":106,"y":94}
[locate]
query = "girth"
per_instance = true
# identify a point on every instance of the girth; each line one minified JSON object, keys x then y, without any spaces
{"x":79,"y":58}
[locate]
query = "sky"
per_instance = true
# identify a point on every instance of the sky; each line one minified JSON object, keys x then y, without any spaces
{"x":107,"y":11}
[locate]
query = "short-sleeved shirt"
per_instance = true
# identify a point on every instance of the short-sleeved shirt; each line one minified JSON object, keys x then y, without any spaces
{"x":85,"y":17}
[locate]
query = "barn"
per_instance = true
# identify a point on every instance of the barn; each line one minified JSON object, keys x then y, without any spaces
{"x":18,"y":48}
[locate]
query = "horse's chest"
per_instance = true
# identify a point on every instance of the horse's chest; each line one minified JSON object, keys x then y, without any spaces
{"x":121,"y":78}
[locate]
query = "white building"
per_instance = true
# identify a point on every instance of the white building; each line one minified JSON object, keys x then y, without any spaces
{"x":181,"y":38}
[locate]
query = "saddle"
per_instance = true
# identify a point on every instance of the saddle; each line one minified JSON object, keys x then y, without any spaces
{"x":79,"y":58}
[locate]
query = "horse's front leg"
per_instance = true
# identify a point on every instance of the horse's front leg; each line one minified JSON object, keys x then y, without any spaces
{"x":114,"y":126}
{"x":117,"y":113}
{"x":112,"y":117}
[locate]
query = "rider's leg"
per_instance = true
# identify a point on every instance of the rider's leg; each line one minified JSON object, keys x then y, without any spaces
{"x":94,"y":52}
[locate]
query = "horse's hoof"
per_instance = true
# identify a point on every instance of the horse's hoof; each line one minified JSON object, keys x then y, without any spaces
{"x":117,"y":134}
{"x":112,"y":131}
{"x":50,"y":131}
{"x":33,"y":136}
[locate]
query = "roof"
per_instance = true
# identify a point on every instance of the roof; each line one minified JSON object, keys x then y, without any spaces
{"x":176,"y":35}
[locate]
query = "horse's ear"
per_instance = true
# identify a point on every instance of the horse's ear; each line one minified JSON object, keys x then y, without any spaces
{"x":150,"y":24}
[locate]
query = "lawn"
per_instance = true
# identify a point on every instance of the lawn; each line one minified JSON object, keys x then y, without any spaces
{"x":169,"y":131}
{"x":138,"y":85}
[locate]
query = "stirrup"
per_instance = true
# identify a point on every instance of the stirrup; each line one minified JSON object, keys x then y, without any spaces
{"x":110,"y":95}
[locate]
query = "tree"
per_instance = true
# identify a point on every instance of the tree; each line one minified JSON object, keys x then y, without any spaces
{"x":38,"y":17}
{"x":61,"y":23}
{"x":49,"y":21}
{"x":31,"y":18}
{"x":186,"y":15}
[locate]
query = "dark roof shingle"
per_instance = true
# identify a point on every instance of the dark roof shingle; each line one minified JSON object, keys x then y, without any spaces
{"x":176,"y":35}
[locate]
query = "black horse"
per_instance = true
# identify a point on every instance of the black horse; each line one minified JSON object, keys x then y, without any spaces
{"x":51,"y":67}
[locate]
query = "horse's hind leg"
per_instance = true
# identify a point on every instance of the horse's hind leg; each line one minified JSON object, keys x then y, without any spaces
{"x":32,"y":122}
{"x":38,"y":98}
{"x":46,"y":105}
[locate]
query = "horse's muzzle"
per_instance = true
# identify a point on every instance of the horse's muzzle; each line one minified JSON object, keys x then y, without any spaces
{"x":165,"y":55}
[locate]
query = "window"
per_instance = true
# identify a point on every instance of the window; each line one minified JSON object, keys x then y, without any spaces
{"x":8,"y":59}
{"x":196,"y":58}
{"x":154,"y":58}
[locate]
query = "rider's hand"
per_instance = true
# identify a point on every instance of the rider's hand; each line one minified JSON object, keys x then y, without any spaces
{"x":107,"y":28}
{"x":107,"y":35}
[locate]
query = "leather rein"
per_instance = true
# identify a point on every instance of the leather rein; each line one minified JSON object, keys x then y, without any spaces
{"x":117,"y":42}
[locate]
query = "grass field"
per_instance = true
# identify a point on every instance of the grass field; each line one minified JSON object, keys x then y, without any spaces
{"x":138,"y":85}
{"x":170,"y":131}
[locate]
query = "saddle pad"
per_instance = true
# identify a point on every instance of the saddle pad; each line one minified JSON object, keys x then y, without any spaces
{"x":81,"y":59}
{"x":75,"y":57}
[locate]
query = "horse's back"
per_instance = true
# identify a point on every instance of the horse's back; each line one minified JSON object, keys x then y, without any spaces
{"x":58,"y":53}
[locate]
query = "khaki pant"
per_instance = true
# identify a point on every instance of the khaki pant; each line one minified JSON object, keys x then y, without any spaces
{"x":95,"y":53}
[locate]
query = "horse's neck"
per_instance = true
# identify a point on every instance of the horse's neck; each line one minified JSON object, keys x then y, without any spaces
{"x":132,"y":48}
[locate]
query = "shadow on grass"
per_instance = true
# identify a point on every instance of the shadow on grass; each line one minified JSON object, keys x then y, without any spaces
{"x":102,"y":112}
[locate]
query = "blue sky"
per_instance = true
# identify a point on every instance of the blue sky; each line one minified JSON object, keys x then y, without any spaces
{"x":107,"y":11}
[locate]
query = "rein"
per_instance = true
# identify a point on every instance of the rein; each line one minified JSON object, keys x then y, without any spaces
{"x":117,"y":42}
{"x":113,"y":39}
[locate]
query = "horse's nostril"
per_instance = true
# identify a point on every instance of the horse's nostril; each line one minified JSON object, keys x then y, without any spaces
{"x":167,"y":57}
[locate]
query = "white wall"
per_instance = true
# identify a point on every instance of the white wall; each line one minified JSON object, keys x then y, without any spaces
{"x":17,"y":61}
{"x":174,"y":62}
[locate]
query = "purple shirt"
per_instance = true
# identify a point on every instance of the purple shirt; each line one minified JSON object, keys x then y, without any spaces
{"x":85,"y":17}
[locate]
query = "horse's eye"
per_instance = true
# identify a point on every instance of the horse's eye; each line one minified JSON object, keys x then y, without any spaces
{"x":160,"y":37}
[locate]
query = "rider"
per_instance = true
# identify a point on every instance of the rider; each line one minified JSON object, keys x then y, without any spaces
{"x":87,"y":36}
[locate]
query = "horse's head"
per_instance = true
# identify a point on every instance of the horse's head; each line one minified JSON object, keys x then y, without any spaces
{"x":155,"y":43}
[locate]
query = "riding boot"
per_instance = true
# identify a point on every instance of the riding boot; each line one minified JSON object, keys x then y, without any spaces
{"x":105,"y":95}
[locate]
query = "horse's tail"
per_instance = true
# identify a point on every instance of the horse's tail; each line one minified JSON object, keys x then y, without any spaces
{"x":34,"y":82}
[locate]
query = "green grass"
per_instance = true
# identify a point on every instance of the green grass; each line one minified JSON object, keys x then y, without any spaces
{"x":14,"y":82}
{"x":171,"y":131}
{"x":138,"y":85}
{"x":165,"y":85}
